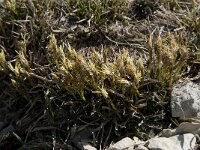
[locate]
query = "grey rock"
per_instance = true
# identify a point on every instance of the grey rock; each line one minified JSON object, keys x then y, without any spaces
{"x":127,"y":144}
{"x":137,"y":141}
{"x":185,"y":127}
{"x":123,"y":144}
{"x":177,"y":142}
{"x":87,"y":146}
{"x":185,"y":100}
{"x":81,"y":136}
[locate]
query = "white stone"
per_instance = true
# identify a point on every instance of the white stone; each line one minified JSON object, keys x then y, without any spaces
{"x":177,"y":142}
{"x":130,"y":148}
{"x":185,"y":127}
{"x":123,"y":144}
{"x":185,"y":100}
{"x":128,"y":144}
{"x":88,"y":147}
{"x":137,"y":141}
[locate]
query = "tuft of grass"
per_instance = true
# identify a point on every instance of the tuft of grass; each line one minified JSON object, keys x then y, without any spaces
{"x":113,"y":84}
{"x":56,"y":81}
{"x":95,"y":12}
{"x":167,"y":59}
{"x":80,"y":74}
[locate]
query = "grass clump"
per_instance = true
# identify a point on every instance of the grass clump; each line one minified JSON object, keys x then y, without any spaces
{"x":167,"y":59}
{"x":95,"y":12}
{"x":54,"y":85}
{"x":110,"y":88}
